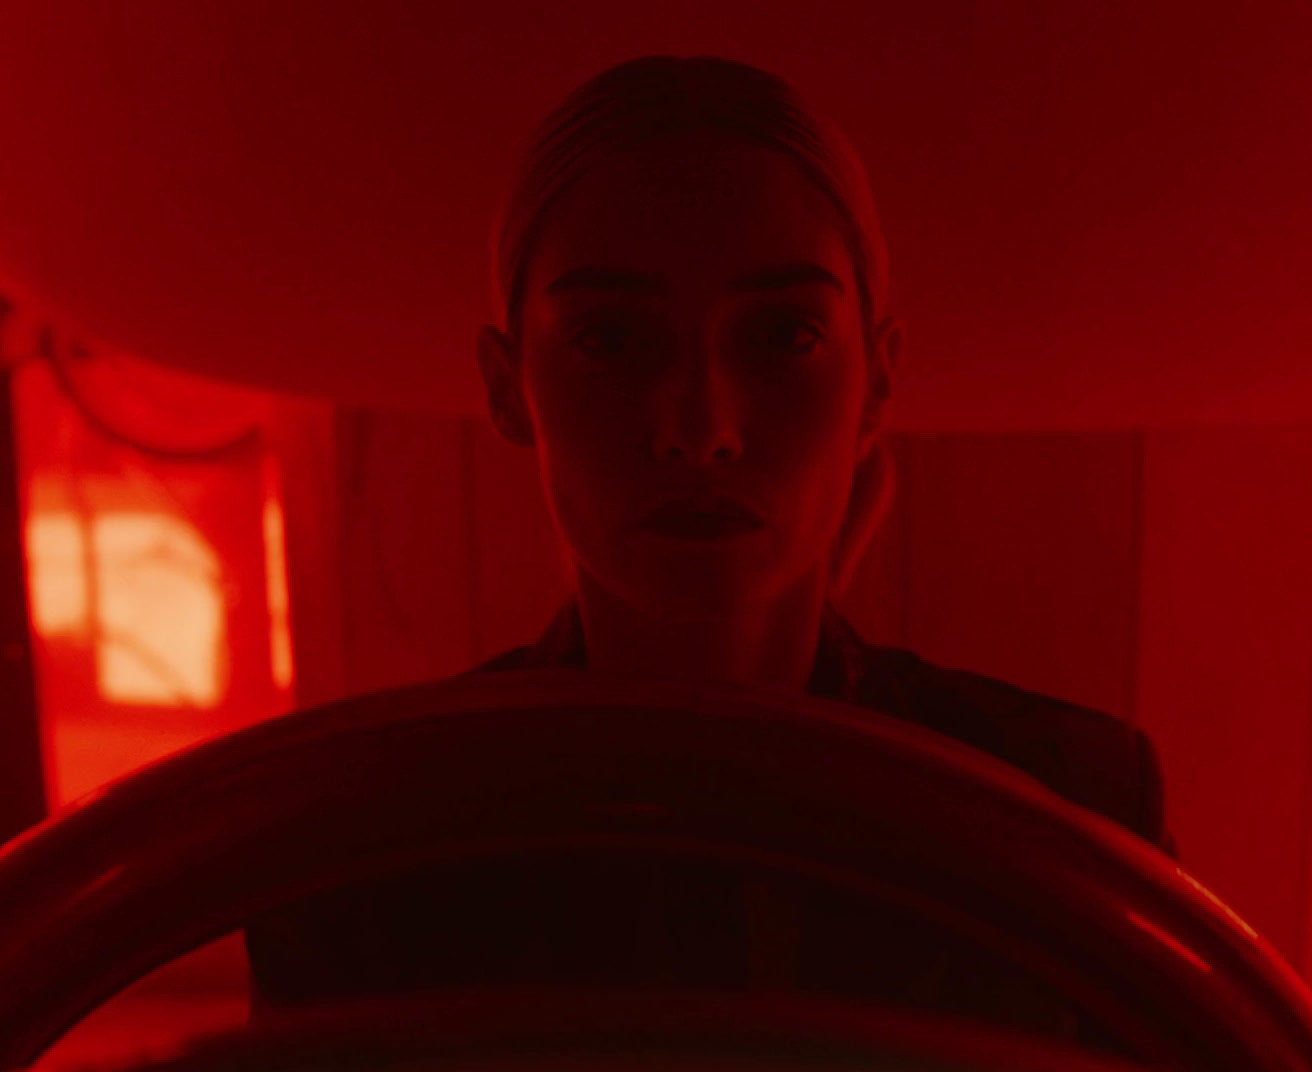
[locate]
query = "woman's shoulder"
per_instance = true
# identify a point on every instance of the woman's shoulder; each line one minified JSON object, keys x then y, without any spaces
{"x":1092,"y":758}
{"x":513,"y":659}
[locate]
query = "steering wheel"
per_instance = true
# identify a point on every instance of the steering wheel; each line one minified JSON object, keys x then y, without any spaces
{"x":528,"y":1030}
{"x":499,"y":765}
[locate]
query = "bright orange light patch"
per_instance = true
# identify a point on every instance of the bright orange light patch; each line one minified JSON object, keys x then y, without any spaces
{"x":160,"y":618}
{"x":147,"y":588}
{"x":57,"y":576}
{"x":275,"y":565}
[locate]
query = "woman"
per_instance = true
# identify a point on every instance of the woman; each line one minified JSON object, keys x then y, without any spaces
{"x":694,"y":286}
{"x":696,"y":344}
{"x":691,"y":315}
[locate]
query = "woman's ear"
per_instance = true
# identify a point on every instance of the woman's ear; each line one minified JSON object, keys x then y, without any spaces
{"x":885,"y":349}
{"x":506,"y":404}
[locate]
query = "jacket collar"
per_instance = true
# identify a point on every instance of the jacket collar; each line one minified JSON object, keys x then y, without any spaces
{"x":839,"y":666}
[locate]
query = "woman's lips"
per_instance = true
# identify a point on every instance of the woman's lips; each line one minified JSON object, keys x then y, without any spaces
{"x":701,"y":526}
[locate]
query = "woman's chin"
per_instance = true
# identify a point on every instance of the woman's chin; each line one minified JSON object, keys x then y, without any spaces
{"x":691,"y":595}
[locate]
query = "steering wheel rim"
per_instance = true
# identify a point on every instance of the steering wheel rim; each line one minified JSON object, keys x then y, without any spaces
{"x":515,"y":1029}
{"x":285,"y":808}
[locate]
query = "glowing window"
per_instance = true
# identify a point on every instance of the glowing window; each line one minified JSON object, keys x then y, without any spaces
{"x":148,"y":590}
{"x":57,"y":575}
{"x":275,"y":568}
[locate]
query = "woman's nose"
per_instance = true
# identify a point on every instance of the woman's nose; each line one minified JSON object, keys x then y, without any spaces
{"x":698,"y":418}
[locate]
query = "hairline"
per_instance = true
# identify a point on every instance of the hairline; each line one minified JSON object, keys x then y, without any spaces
{"x":850,"y":229}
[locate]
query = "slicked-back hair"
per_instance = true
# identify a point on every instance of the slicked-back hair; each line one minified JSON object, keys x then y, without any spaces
{"x":642,"y":99}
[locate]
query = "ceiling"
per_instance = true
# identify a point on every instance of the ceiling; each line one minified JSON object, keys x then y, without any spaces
{"x":1099,"y":212}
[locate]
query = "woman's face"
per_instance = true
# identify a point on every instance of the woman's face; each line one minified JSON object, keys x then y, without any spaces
{"x":681,"y":362}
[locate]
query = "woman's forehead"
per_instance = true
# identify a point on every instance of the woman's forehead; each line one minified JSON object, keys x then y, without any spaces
{"x":710,"y":209}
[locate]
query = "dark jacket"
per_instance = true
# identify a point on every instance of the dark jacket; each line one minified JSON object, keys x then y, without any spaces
{"x":1099,"y":762}
{"x":699,"y":926}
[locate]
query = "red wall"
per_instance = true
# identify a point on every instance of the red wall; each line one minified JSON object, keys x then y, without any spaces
{"x":1225,"y":681}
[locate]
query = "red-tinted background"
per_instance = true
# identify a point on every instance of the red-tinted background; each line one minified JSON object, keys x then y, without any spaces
{"x":1101,"y":236}
{"x":1098,"y":210}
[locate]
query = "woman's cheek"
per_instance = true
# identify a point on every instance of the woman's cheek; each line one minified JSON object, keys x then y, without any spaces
{"x":581,"y":409}
{"x":825,"y":466}
{"x":588,"y":478}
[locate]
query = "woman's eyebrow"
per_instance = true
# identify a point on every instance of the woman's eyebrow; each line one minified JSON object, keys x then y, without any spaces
{"x":780,"y":277}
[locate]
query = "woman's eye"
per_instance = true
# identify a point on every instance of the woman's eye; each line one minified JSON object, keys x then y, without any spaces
{"x":605,"y":338}
{"x":792,"y":335}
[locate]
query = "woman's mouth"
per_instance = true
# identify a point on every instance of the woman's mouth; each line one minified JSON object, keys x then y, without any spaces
{"x":702,"y":527}
{"x":717,"y":519}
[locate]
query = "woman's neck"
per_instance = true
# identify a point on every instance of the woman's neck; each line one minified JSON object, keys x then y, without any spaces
{"x":772,"y":646}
